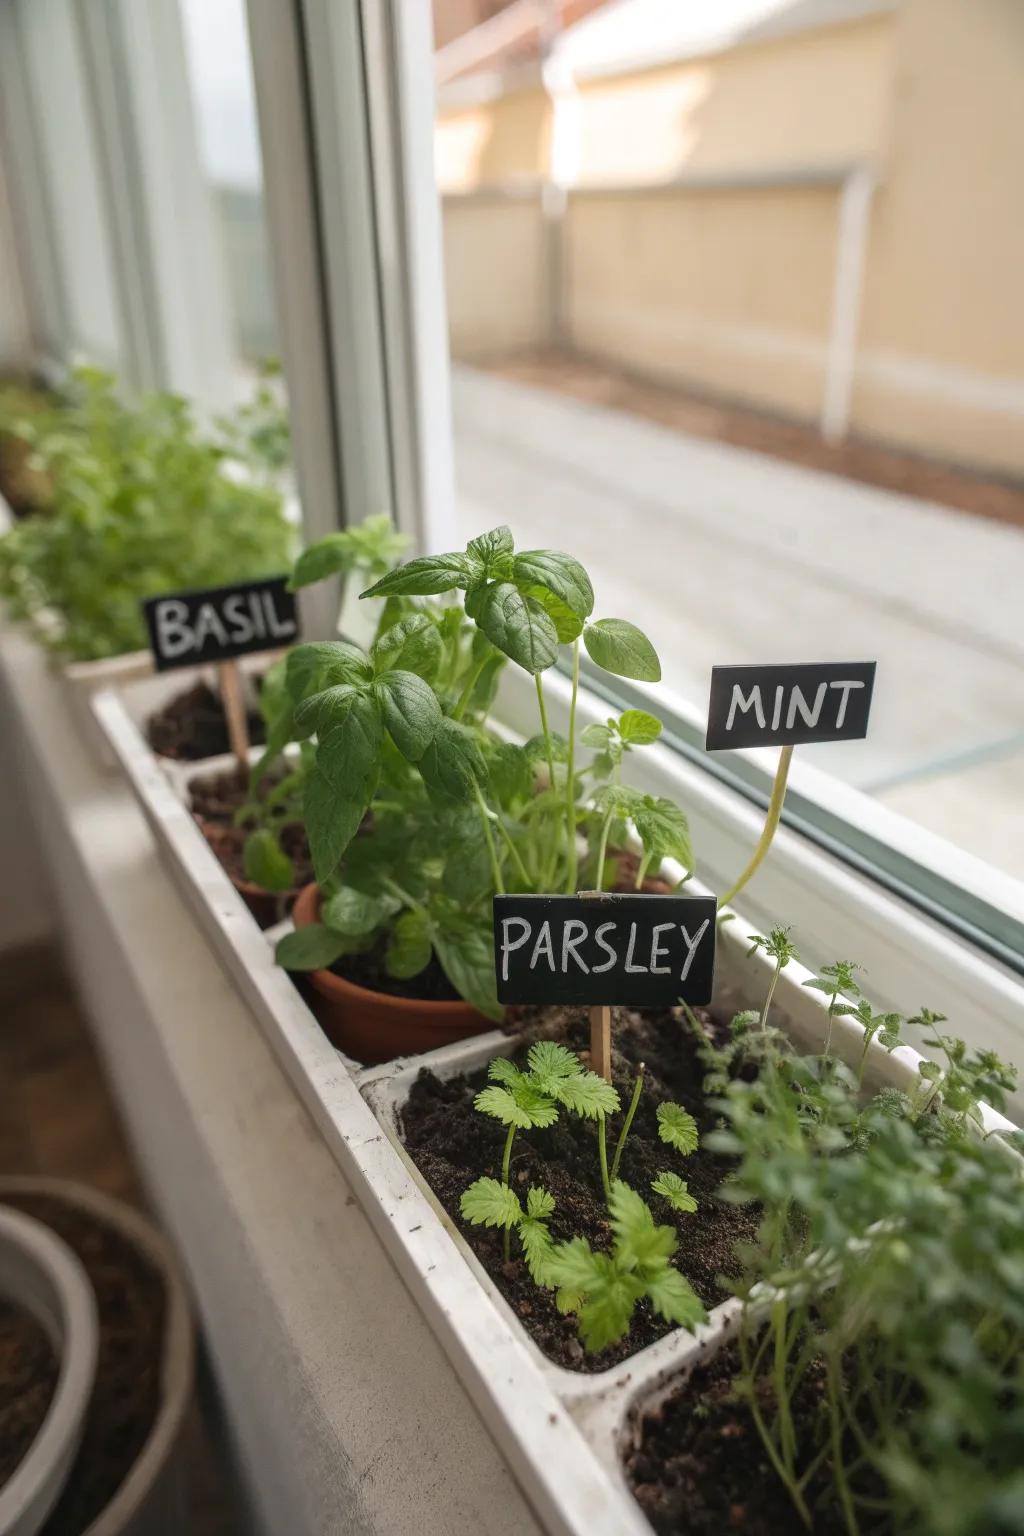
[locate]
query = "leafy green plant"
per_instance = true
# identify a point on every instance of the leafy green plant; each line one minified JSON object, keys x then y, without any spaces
{"x":141,"y":501}
{"x":778,"y":948}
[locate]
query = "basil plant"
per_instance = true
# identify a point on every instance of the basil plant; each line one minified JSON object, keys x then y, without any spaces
{"x":416,"y":811}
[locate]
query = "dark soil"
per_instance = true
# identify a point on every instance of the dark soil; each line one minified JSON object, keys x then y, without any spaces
{"x":214,"y":799}
{"x":367,"y":970}
{"x":702,"y":1469}
{"x":192,"y":726}
{"x":28,"y":1379}
{"x":453,"y":1144}
{"x":126,"y":1398}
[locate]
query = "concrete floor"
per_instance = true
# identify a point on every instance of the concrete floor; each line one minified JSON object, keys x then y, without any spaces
{"x":725,"y":555}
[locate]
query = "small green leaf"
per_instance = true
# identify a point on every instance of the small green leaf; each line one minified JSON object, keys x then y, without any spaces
{"x":537,"y":1245}
{"x":321,"y":664}
{"x":640,"y":1244}
{"x":568,"y":625}
{"x":587,"y":1094}
{"x":573,"y":1268}
{"x":672,"y":1188}
{"x":663,"y":830}
{"x":426,"y":576}
{"x":519,"y":627}
{"x":597,"y":736}
{"x":550,"y":1062}
{"x":639,"y":728}
{"x":327,"y":557}
{"x":607,"y":1312}
{"x":409,"y":947}
{"x":539,"y":1203}
{"x":501,"y":1105}
{"x":621,"y":648}
{"x":678,"y":1128}
{"x":501,"y":1070}
{"x":411,"y":712}
{"x":414,"y":644}
{"x":265,"y":862}
{"x":674,"y":1297}
{"x":490,"y":1204}
{"x":309,"y":949}
{"x":353,"y":913}
{"x":511,"y":773}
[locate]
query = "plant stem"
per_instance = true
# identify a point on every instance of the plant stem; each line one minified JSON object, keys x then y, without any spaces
{"x":514,"y":851}
{"x":492,"y":852}
{"x":467,"y":692}
{"x":602,"y":1147}
{"x":838,"y":1469}
{"x":570,"y":786}
{"x":771,"y":993}
{"x":548,"y":879}
{"x":630,"y":1112}
{"x":771,"y":822}
{"x":505,"y":1164}
{"x":831,"y":1016}
{"x":641,"y":871}
{"x":602,"y":851}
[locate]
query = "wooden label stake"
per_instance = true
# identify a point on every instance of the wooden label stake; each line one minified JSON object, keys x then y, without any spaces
{"x":601,"y":1040}
{"x":232,"y":697}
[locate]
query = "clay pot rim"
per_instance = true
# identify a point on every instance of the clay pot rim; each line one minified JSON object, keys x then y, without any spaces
{"x":306,"y":910}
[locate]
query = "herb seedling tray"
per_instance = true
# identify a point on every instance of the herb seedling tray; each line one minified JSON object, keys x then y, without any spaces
{"x":560,"y":1431}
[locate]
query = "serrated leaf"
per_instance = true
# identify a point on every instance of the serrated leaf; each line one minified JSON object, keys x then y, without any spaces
{"x":537,"y":1104}
{"x":619,"y":647}
{"x":501,"y":1070}
{"x":309,"y":949}
{"x":453,"y":762}
{"x":490,"y":1204}
{"x":678,"y":1128}
{"x":353,"y":913}
{"x":673,"y":1189}
{"x":409,"y":947}
{"x":573,"y":1267}
{"x":930,"y":1071}
{"x":414,"y":644}
{"x":265,"y":862}
{"x":663,"y":830}
{"x":410,"y":710}
{"x":519,"y":627}
{"x":675,"y":1299}
{"x":640,"y":1244}
{"x":501,"y":1105}
{"x":539,"y":1203}
{"x":550,"y":1062}
{"x":587,"y":1094}
{"x":537,"y":1245}
{"x":426,"y":576}
{"x":320,"y":664}
{"x":638,"y":728}
{"x":607,"y":1312}
{"x":331,"y":820}
{"x":560,"y":575}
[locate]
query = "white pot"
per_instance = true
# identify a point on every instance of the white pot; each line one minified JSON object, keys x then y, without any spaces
{"x":559,"y":1430}
{"x":41,"y":1275}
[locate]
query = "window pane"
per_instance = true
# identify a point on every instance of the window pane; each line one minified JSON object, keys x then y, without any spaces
{"x":734,"y":317}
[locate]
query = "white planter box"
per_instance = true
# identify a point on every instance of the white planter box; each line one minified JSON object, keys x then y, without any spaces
{"x":559,"y":1430}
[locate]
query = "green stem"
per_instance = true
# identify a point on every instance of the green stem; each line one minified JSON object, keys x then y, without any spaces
{"x":492,"y":852}
{"x":548,"y":874}
{"x":514,"y":851}
{"x":838,"y":1469}
{"x":831,"y":1016}
{"x":403,"y":896}
{"x":771,"y":823}
{"x":602,"y":1147}
{"x":570,"y":786}
{"x":771,"y":993}
{"x":641,"y":871}
{"x":631,"y":1111}
{"x":602,"y":851}
{"x":467,"y":692}
{"x":505,"y":1163}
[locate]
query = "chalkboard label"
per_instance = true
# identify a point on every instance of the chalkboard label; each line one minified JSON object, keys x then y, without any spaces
{"x":789,"y":705}
{"x":638,"y":951}
{"x":219,"y":623}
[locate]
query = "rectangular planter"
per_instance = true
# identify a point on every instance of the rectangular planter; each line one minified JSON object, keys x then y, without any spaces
{"x":559,"y":1430}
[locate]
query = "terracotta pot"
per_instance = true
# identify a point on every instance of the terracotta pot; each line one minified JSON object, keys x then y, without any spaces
{"x":375,"y":1026}
{"x":267,"y":907}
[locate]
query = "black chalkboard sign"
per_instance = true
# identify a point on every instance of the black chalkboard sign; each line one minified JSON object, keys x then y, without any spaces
{"x":636,"y":951}
{"x":219,"y":623}
{"x":789,"y":705}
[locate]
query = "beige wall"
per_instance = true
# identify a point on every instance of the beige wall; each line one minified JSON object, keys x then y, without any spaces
{"x":725,"y":289}
{"x":496,"y":274}
{"x":503,"y":140}
{"x":815,"y":98}
{"x":942,"y":341}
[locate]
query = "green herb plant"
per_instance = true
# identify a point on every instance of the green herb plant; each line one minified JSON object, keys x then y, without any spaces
{"x":141,"y":500}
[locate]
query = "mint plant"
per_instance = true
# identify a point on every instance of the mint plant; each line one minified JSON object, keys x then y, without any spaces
{"x":141,"y":500}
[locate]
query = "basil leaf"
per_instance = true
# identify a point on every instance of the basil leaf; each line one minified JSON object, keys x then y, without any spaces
{"x":494,"y":550}
{"x":428,"y":575}
{"x":467,"y":958}
{"x":332,"y":820}
{"x":327,"y":557}
{"x":518,"y":626}
{"x":639,"y":728}
{"x":411,"y":712}
{"x":350,"y":734}
{"x":619,"y":647}
{"x":265,"y":862}
{"x":414,"y":644}
{"x":409,"y":948}
{"x":568,"y":625}
{"x":354,"y":913}
{"x":309,"y":949}
{"x":453,"y":762}
{"x":321,"y":664}
{"x":558,"y":573}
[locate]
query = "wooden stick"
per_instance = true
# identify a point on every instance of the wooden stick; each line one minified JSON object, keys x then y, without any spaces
{"x":234,"y":710}
{"x":601,"y":1040}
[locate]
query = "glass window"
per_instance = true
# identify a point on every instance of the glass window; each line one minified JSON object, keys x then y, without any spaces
{"x":735,"y":314}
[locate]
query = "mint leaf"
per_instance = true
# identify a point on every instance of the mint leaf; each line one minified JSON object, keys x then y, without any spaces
{"x":678,"y":1128}
{"x":558,"y":574}
{"x":519,"y":627}
{"x":621,"y":648}
{"x":411,"y":712}
{"x":638,"y":728}
{"x":490,"y":1204}
{"x":409,"y":946}
{"x":309,"y":949}
{"x":426,"y":576}
{"x":265,"y":862}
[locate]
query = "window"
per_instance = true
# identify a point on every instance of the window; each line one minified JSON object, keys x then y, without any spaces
{"x":716,"y":319}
